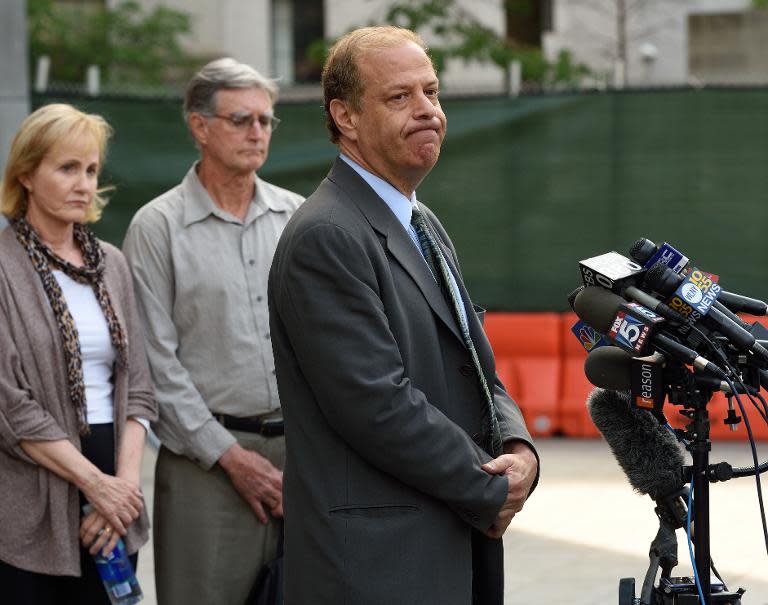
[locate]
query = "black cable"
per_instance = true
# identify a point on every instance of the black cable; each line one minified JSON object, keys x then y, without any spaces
{"x":748,"y":471}
{"x":757,"y":469}
{"x":717,"y":574}
{"x":754,"y":459}
{"x":764,"y":412}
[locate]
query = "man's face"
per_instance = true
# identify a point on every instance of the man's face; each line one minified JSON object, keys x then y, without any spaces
{"x":400,"y":127}
{"x":228,"y":139}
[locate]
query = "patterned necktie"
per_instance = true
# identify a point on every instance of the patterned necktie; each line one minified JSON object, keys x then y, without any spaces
{"x":441,"y":272}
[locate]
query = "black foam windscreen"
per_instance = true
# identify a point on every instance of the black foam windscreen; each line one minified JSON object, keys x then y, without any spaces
{"x":597,"y":306}
{"x":609,"y":368}
{"x":646,"y":451}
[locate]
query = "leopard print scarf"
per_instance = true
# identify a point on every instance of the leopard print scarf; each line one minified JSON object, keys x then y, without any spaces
{"x":44,"y":261}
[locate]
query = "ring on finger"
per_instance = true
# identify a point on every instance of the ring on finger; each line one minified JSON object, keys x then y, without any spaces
{"x":107,"y":530}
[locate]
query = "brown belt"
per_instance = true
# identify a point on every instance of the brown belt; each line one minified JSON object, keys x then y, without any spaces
{"x":267,"y":427}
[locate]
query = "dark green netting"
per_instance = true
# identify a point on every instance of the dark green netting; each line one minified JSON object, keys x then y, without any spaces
{"x":527,"y":187}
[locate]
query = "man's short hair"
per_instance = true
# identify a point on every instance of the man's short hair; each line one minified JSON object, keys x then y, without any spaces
{"x":341,"y":75}
{"x":218,"y":75}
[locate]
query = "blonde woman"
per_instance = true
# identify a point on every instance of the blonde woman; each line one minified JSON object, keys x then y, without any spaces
{"x":75,"y":392}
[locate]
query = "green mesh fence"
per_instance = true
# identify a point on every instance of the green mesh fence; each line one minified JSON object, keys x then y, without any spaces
{"x":527,"y":187}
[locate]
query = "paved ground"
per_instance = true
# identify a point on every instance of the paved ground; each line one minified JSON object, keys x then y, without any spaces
{"x":584,"y":528}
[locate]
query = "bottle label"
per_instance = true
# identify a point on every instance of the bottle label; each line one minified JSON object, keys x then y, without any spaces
{"x":122,"y":589}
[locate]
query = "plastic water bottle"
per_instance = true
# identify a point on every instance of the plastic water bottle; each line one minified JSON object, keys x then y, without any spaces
{"x":117,"y":574}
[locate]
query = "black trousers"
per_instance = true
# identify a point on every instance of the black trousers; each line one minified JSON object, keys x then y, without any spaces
{"x":487,"y":570}
{"x":22,"y":587}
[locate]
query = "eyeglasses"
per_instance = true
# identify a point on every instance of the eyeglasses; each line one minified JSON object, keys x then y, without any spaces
{"x":245,"y":121}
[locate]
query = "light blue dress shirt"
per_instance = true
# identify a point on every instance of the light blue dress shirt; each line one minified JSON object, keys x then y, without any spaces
{"x":402,"y":208}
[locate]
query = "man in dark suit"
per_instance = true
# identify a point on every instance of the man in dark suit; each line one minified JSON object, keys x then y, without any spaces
{"x":391,"y":495}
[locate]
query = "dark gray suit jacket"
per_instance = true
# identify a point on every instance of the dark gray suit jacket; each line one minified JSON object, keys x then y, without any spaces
{"x":383,"y":411}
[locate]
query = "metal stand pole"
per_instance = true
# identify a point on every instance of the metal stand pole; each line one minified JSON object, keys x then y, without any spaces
{"x":700,"y":447}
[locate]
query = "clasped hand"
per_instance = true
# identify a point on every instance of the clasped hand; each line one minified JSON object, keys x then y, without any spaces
{"x":117,"y":502}
{"x":97,"y":534}
{"x":519,"y":465}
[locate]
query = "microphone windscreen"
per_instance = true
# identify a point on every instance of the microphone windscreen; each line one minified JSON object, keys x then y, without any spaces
{"x":662,"y":279}
{"x":572,"y":297}
{"x":609,"y":368}
{"x":642,"y":250}
{"x":597,"y":306}
{"x":646,"y":451}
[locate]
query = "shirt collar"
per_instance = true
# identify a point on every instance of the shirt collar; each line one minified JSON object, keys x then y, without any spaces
{"x":199,"y":204}
{"x":400,"y":205}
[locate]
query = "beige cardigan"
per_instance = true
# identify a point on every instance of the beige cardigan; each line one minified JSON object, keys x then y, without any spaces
{"x":39,"y":511}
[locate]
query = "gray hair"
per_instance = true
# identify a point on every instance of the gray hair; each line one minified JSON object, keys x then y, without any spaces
{"x":218,"y":75}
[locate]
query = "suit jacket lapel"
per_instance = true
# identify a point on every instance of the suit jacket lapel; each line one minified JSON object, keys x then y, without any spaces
{"x":398,"y":241}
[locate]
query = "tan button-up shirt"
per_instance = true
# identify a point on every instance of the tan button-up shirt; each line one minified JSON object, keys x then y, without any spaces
{"x":201,"y":282}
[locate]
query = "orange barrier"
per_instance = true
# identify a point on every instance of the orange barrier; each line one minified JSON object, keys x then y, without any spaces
{"x":527,"y":348}
{"x":541,"y":364}
{"x":718,"y":409}
{"x":574,"y":386}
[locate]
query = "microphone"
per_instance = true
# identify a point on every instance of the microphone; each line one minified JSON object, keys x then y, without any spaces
{"x":654,"y":304}
{"x":610,"y":270}
{"x":695,"y":288}
{"x":609,"y":368}
{"x":645,"y":252}
{"x":693,"y":337}
{"x":738,"y":303}
{"x":695,"y":297}
{"x":605,"y":311}
{"x":588,"y":337}
{"x":666,"y":282}
{"x":613,"y":368}
{"x":572,"y":296}
{"x":647,"y":452}
{"x":628,"y":325}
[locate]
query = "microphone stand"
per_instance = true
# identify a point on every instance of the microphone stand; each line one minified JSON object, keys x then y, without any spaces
{"x":699,"y":446}
{"x":694,"y":399}
{"x":672,"y":512}
{"x":663,"y":553}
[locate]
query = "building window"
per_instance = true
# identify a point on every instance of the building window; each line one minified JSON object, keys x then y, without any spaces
{"x":308,"y":27}
{"x":527,"y":19}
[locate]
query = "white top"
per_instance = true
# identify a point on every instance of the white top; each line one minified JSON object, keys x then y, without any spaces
{"x":96,"y":350}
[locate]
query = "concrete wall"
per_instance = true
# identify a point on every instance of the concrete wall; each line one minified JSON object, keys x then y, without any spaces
{"x":257,"y":32}
{"x":237,"y":28}
{"x":14,"y":79}
{"x":588,"y":28}
{"x":343,"y":15}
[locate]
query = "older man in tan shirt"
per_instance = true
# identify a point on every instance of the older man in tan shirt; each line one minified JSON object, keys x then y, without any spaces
{"x":200,"y":255}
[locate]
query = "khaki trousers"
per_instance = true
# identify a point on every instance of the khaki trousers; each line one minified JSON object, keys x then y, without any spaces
{"x":208,"y":543}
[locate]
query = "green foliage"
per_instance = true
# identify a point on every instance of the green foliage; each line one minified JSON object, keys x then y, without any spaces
{"x":415,"y":15}
{"x":317,"y":51}
{"x":760,"y":3}
{"x":460,"y":35}
{"x":565,"y":73}
{"x":127,"y":44}
{"x":520,"y":7}
{"x":534,"y":66}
